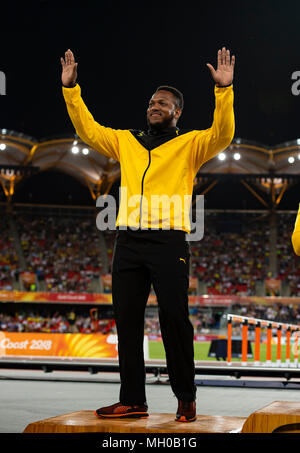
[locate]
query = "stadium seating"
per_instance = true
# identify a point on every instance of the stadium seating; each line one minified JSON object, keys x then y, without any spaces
{"x":64,"y":254}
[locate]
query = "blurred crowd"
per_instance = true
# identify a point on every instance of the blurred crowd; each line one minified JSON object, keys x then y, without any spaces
{"x":9,"y":263}
{"x":54,"y":323}
{"x":204,"y":320}
{"x":26,"y":321}
{"x":276,"y":312}
{"x":61,"y":251}
{"x":231,"y":262}
{"x":64,"y":254}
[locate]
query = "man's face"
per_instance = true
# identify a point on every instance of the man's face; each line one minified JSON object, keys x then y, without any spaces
{"x":162,"y":110}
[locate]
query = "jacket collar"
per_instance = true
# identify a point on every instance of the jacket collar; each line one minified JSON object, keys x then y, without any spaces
{"x":158,"y":131}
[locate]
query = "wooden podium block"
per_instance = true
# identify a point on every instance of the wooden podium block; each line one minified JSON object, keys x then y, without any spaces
{"x":86,"y":422}
{"x":282,"y":416}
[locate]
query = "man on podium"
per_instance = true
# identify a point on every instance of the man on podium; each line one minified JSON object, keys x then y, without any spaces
{"x":161,"y":161}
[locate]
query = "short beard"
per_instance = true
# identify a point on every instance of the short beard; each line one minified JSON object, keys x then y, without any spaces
{"x":163,"y":125}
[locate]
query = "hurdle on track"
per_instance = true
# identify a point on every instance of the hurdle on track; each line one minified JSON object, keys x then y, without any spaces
{"x":289,"y":329}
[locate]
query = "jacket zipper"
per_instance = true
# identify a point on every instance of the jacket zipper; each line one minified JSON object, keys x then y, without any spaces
{"x":142,"y":189}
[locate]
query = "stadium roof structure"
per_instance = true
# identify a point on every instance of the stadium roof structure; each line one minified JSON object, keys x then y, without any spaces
{"x":67,"y":154}
{"x":272,"y":169}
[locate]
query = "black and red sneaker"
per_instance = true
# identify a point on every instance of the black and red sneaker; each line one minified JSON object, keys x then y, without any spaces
{"x":186,"y":411}
{"x":119,"y":410}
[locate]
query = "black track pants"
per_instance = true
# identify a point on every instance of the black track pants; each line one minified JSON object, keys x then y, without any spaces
{"x":162,"y":258}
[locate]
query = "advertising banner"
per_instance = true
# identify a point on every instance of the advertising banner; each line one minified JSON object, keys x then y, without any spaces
{"x":58,"y":345}
{"x":63,"y":298}
{"x":106,"y":299}
{"x":34,"y":344}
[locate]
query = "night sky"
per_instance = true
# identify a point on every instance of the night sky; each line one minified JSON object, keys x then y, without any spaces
{"x":125,"y":50}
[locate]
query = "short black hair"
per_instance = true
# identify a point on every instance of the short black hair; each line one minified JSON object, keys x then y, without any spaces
{"x":177,"y":94}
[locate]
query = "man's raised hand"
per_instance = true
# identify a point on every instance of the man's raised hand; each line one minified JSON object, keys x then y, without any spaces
{"x":69,"y":69}
{"x":224,"y":74}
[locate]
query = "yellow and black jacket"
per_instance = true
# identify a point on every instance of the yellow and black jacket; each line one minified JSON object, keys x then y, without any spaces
{"x":154,"y":169}
{"x":296,"y":234}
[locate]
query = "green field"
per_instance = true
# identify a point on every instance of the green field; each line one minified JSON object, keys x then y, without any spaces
{"x":156,"y":351}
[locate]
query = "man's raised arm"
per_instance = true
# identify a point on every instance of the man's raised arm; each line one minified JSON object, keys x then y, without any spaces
{"x":102,"y":139}
{"x":208,"y":143}
{"x":296,"y":234}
